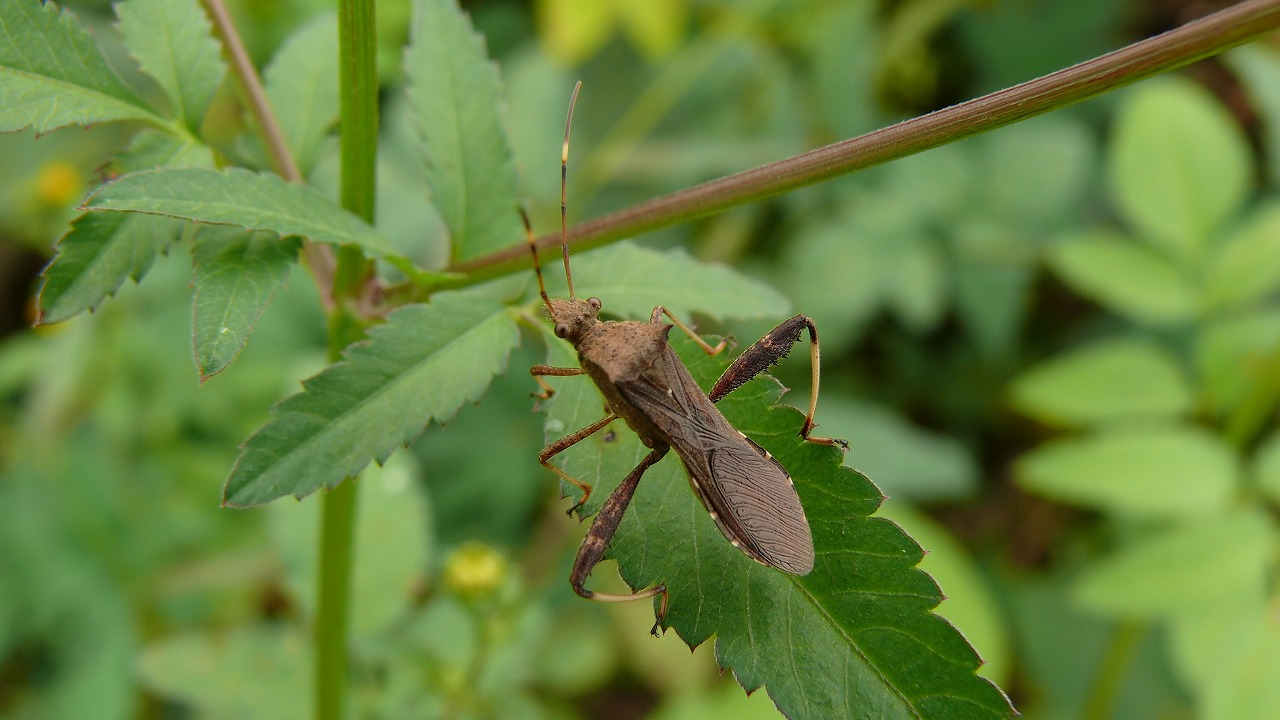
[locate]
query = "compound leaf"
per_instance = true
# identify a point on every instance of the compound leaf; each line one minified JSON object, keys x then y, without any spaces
{"x":236,"y":275}
{"x":52,"y":73}
{"x":302,"y":85}
{"x":457,"y":105}
{"x":173,"y":42}
{"x":422,"y":365}
{"x":242,"y":198}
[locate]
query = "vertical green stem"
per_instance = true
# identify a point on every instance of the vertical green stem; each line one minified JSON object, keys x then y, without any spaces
{"x":358,"y":81}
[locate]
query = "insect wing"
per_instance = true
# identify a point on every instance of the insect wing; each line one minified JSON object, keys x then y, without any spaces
{"x":748,"y":493}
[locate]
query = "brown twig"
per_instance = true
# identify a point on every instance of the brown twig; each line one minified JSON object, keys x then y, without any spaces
{"x":1194,"y":41}
{"x":319,"y":258}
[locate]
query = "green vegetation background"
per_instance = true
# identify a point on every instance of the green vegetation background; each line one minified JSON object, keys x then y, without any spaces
{"x":1055,"y":348}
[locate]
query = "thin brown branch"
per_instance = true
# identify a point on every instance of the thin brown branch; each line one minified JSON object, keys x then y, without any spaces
{"x":1194,"y":41}
{"x":319,"y":258}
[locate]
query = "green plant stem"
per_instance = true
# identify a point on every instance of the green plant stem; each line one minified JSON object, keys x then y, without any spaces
{"x":1111,"y":671}
{"x":1194,"y":41}
{"x":358,"y":81}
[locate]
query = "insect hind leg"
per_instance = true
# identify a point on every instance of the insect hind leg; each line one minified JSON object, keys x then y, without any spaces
{"x":601,"y":533}
{"x":767,"y":351}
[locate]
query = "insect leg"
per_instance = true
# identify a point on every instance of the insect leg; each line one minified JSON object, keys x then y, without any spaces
{"x":659,"y":311}
{"x":601,"y":533}
{"x":767,"y":351}
{"x":567,"y":442}
{"x":540,"y":371}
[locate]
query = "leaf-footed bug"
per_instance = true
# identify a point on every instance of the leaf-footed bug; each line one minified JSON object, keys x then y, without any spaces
{"x":748,"y":493}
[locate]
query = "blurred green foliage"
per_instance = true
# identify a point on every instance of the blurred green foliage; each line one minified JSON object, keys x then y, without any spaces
{"x":1056,"y":347}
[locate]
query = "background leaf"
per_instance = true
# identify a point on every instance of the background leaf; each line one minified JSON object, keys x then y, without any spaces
{"x":236,"y":274}
{"x":258,"y":671}
{"x":1244,"y":269}
{"x":173,"y":42}
{"x":1161,"y":472}
{"x":52,"y":74}
{"x":238,"y":197}
{"x":857,"y":632}
{"x":302,"y":86}
{"x":1191,"y":568}
{"x":389,"y":514}
{"x":422,"y":365}
{"x":1179,"y":165}
{"x":1118,"y":379}
{"x":455,"y":94}
{"x":631,"y":280}
{"x":1125,"y":277}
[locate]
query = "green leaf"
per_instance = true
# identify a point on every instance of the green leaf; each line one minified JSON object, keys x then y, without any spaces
{"x":238,"y":197}
{"x":1125,"y":277}
{"x":1163,"y":472}
{"x":1230,"y":658}
{"x":1266,"y":467}
{"x":655,"y":27}
{"x":95,"y":257}
{"x":906,"y":461}
{"x":630,"y":280}
{"x":100,"y":251}
{"x":857,"y":632}
{"x":1191,"y":568}
{"x":390,"y":513}
{"x":259,"y":671}
{"x":1257,"y":65}
{"x":1107,"y":381}
{"x":421,"y":366}
{"x":173,"y":42}
{"x":455,"y":94}
{"x":1232,"y":355}
{"x":302,"y":86}
{"x":970,"y":604}
{"x":236,"y":275}
{"x":52,"y":74}
{"x":1246,"y":269}
{"x":1179,"y":165}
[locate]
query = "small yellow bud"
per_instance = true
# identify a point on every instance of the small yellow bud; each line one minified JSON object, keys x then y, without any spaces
{"x":58,"y":184}
{"x":475,"y":569}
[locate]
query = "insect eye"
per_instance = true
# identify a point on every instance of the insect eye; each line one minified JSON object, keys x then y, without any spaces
{"x":562,"y":330}
{"x":594,"y":302}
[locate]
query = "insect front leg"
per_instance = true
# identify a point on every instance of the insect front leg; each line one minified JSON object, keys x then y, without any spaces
{"x":767,"y":351}
{"x":567,"y":442}
{"x":540,"y":371}
{"x":659,"y":311}
{"x":601,"y":533}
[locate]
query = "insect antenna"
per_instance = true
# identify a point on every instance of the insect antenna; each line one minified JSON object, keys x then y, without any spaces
{"x":537,"y":266}
{"x":564,"y":176}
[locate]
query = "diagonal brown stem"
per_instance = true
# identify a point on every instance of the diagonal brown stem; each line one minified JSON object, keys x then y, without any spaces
{"x":1196,"y":40}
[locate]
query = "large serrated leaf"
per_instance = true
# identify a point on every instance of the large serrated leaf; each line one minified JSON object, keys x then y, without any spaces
{"x":302,"y":85}
{"x":457,"y":106}
{"x":52,"y":74}
{"x":1179,"y":165}
{"x":242,"y":198}
{"x":1161,"y":472}
{"x":173,"y":42}
{"x":421,"y":366}
{"x":633,"y":279}
{"x":853,"y":639}
{"x":236,"y":275}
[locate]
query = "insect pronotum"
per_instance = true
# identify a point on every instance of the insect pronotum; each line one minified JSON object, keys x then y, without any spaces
{"x":748,"y":493}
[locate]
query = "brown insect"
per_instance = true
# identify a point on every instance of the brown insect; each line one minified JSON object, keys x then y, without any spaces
{"x":748,"y":493}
